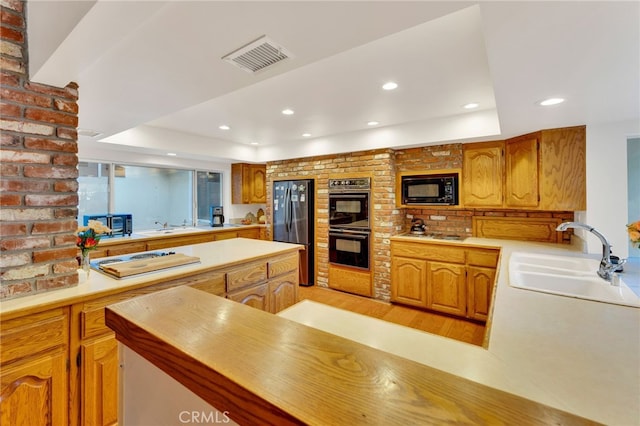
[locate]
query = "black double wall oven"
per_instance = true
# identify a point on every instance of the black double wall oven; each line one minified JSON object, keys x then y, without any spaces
{"x":349,"y":222}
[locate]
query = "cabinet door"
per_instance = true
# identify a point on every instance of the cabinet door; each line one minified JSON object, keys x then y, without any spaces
{"x":257,"y":297}
{"x":34,"y":392}
{"x":480,"y":283}
{"x":446,"y":288}
{"x":258,"y":183}
{"x":253,"y":233}
{"x":283,"y":292}
{"x":521,"y":172}
{"x":99,"y":375}
{"x":563,"y":169}
{"x":482,"y":174}
{"x":409,"y":281}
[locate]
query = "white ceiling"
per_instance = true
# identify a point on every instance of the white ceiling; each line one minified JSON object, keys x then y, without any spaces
{"x":152,"y":80}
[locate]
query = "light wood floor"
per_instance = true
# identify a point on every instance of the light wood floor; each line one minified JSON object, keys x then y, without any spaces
{"x":463,"y":330}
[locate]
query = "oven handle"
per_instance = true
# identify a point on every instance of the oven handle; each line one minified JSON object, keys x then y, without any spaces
{"x":353,"y":235}
{"x":343,"y":195}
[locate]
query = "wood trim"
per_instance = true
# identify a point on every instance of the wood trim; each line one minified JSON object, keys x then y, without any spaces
{"x":541,"y":229}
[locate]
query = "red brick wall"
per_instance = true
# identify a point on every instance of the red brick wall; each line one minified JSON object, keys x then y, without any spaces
{"x":38,"y":189}
{"x":386,"y":218}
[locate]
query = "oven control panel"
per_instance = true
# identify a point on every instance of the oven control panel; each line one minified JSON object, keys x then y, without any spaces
{"x":354,"y":184}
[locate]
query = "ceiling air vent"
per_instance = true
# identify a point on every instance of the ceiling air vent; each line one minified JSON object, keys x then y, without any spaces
{"x":258,"y":55}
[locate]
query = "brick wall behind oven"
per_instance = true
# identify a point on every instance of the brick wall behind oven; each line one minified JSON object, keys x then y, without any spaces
{"x":38,"y":190}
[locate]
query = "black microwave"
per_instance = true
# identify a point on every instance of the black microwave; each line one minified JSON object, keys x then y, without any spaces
{"x":430,"y":189}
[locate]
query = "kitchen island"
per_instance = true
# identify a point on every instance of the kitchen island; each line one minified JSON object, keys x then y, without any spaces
{"x":60,"y":361}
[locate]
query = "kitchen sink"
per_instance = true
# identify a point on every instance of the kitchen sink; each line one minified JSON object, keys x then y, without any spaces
{"x":169,"y":231}
{"x":567,"y":276}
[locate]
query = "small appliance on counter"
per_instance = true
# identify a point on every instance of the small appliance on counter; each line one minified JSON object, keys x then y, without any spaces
{"x":119,"y":223}
{"x":418,"y":227}
{"x":217,"y":216}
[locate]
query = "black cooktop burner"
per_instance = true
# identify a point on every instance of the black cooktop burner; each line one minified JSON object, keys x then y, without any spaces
{"x":107,"y":261}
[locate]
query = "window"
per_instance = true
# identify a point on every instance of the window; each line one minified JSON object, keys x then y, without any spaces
{"x":153,"y":195}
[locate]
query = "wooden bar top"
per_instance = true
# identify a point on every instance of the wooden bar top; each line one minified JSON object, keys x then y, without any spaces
{"x":264,"y":369}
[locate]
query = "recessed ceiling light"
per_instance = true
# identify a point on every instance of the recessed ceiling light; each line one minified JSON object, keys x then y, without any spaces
{"x":172,"y":154}
{"x":390,"y":85}
{"x":254,"y":143}
{"x":224,"y":127}
{"x":372,"y":123}
{"x":471,"y":105}
{"x":287,"y":111}
{"x":551,"y":101}
{"x":306,"y":135}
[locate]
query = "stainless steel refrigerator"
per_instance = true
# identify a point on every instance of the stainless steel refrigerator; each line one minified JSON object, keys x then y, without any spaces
{"x":293,"y":221}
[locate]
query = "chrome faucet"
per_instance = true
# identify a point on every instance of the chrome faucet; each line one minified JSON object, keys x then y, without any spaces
{"x":164,"y":225}
{"x":607,"y":267}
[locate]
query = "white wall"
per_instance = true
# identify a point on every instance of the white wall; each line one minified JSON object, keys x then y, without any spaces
{"x":607,"y":205}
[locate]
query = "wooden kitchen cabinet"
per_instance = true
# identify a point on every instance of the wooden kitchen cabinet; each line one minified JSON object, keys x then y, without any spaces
{"x":99,"y":381}
{"x":563,"y":172}
{"x":480,"y":282}
{"x":446,"y":288}
{"x":283,"y":291}
{"x":521,"y":172}
{"x":544,"y":170}
{"x":177,"y":241}
{"x":255,"y":296}
{"x":482,"y":174}
{"x":448,"y":278}
{"x":410,"y":278}
{"x":33,"y":360}
{"x":270,"y":286}
{"x":248,"y":183}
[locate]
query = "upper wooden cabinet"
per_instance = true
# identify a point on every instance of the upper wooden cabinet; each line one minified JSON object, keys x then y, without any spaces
{"x":482,"y":174}
{"x":521,"y":172}
{"x":545,"y":170}
{"x":563,"y":169}
{"x":248,"y":183}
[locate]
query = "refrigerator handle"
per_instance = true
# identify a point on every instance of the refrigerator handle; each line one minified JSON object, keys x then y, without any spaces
{"x":287,"y":210}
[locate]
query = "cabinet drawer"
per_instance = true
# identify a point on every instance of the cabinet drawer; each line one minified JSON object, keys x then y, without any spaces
{"x":248,"y":275}
{"x":479,"y":257}
{"x":214,"y":283}
{"x":36,"y":333}
{"x":283,"y":265}
{"x":92,"y":313}
{"x":128,"y":248}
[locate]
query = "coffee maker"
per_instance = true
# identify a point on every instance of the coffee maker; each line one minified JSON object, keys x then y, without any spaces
{"x":217,"y":216}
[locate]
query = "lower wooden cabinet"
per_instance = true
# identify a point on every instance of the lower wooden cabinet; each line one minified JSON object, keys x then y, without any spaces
{"x":409,"y":281}
{"x":99,"y":376}
{"x":447,"y":288}
{"x":453,"y":279}
{"x":480,"y":281}
{"x":34,"y":380}
{"x":271,"y":286}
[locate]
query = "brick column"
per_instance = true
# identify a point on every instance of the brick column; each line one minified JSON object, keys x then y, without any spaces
{"x":38,"y":186}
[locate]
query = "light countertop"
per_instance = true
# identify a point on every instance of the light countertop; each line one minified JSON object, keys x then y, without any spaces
{"x":576,"y":355}
{"x":175,"y":232}
{"x":212,"y":255}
